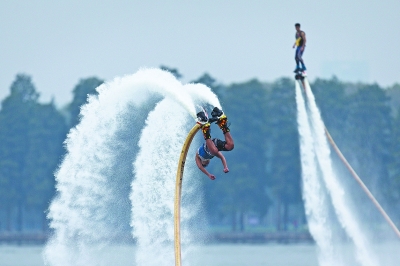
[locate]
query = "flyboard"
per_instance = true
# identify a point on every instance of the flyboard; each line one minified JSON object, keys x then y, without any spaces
{"x":301,"y":77}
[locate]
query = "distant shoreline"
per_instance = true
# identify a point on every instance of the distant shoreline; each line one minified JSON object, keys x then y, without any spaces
{"x":225,"y":237}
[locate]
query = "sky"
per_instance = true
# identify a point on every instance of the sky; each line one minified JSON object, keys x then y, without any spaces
{"x":58,"y":42}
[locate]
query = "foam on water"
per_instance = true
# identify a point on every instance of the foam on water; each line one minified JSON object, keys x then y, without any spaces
{"x":111,"y":150}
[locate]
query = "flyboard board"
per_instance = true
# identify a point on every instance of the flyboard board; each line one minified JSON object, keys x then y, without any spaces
{"x":202,"y":116}
{"x":299,"y":76}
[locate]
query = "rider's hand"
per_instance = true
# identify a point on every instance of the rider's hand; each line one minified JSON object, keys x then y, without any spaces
{"x":211,"y":176}
{"x":226,"y":170}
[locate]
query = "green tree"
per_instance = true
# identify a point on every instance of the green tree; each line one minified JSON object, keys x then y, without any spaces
{"x":31,"y":137}
{"x":47,"y":131}
{"x":284,"y":175}
{"x":82,"y":90}
{"x":395,"y":160}
{"x":369,"y":126}
{"x":211,"y":82}
{"x":14,"y":124}
{"x":393,"y":92}
{"x":333,"y":104}
{"x":8,"y":190}
{"x":394,"y":165}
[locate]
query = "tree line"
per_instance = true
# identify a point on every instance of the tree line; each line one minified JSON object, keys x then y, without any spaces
{"x":265,"y":170}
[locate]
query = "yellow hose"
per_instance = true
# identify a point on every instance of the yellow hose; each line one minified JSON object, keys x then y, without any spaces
{"x":178,"y":193}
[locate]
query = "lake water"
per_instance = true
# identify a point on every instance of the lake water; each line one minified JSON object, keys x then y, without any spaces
{"x":210,"y":255}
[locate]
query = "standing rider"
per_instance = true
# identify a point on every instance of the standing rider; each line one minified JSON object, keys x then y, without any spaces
{"x":213,"y":147}
{"x":300,"y":43}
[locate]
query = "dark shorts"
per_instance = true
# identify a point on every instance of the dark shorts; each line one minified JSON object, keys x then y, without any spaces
{"x":220,"y":144}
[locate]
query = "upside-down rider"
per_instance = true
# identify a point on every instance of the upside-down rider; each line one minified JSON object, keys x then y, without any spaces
{"x":300,"y":45}
{"x":213,"y":147}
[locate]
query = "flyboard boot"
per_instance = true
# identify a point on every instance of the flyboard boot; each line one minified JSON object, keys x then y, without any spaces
{"x":300,"y":72}
{"x":303,"y":71}
{"x":202,"y":120}
{"x":221,"y":119}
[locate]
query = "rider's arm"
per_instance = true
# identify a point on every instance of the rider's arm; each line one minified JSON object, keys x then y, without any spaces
{"x":222,"y":157}
{"x":201,"y":167}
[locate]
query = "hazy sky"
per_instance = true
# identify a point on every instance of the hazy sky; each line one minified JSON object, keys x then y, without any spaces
{"x":60,"y":42}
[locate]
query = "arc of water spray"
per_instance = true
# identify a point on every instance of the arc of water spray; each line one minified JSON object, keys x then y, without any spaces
{"x":87,"y":192}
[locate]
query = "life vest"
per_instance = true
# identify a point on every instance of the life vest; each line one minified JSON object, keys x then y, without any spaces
{"x":299,"y":39}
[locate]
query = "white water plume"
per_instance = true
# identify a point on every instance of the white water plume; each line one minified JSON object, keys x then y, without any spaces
{"x":314,"y":195}
{"x":364,"y":253}
{"x":92,"y":207}
{"x":345,"y":216}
